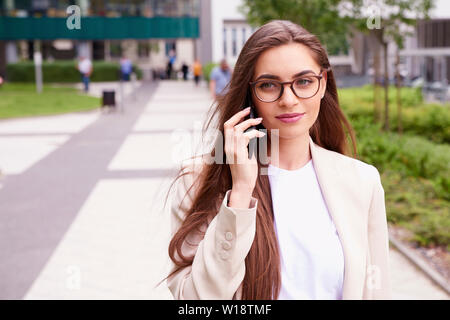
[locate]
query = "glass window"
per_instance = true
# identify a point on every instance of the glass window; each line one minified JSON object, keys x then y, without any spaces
{"x":175,"y":7}
{"x":170,"y":44}
{"x":108,"y":8}
{"x":224,"y":42}
{"x":115,"y":49}
{"x":143,"y":49}
{"x":233,"y":43}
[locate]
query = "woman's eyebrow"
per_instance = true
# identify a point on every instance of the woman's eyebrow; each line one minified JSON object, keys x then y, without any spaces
{"x":271,"y":76}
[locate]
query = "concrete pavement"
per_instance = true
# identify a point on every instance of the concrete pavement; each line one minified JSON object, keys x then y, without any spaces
{"x":81,"y":199}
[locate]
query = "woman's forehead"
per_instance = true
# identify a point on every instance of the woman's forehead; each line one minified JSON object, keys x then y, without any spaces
{"x":285,"y":61}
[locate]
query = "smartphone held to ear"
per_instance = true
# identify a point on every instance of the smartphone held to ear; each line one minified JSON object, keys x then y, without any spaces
{"x":252,"y":146}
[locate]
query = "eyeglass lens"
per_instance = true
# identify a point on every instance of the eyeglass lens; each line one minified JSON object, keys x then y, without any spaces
{"x":304,"y":87}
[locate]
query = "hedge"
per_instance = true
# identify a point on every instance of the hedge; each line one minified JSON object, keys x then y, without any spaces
{"x":64,"y":71}
{"x":207,"y":68}
{"x":431,"y":121}
{"x":415,"y":168}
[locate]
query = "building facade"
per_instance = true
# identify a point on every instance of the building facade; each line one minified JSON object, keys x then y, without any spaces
{"x":223,"y":31}
{"x":144,"y":30}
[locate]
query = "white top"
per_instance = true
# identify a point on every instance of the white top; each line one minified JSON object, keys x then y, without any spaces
{"x":85,"y":66}
{"x":312,"y":259}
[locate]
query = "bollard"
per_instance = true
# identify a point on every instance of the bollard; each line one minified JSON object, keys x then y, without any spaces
{"x":134,"y":85}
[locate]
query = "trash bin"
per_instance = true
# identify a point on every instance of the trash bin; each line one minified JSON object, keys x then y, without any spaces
{"x":109,"y":98}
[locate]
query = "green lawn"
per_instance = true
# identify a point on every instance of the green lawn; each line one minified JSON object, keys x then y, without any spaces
{"x":21,"y":100}
{"x":414,"y":167}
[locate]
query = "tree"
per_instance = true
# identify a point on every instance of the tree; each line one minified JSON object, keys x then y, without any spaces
{"x":393,"y":21}
{"x":320,"y":17}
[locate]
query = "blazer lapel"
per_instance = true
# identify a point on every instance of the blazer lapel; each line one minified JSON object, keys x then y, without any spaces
{"x":337,"y":181}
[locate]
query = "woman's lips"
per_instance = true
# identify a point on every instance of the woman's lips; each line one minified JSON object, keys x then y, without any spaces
{"x":290,"y":117}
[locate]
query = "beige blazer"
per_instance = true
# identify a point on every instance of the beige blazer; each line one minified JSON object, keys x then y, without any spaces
{"x":354,"y":196}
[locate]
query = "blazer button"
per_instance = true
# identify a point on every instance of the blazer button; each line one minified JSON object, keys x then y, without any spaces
{"x":229,"y":236}
{"x":224,"y":255}
{"x":226,"y":245}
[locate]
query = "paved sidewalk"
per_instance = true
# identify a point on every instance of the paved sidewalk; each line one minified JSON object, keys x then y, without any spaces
{"x":409,"y":282}
{"x":83,"y":219}
{"x":81,"y":199}
{"x":120,"y":87}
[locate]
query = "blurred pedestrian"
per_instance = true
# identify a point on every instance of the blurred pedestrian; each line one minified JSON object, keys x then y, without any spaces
{"x":185,"y":70}
{"x":220,"y":77}
{"x":126,"y":68}
{"x":197,"y":68}
{"x":172,"y":58}
{"x":85,"y":69}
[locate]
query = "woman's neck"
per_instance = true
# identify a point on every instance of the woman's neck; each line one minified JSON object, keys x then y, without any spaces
{"x":293,"y":153}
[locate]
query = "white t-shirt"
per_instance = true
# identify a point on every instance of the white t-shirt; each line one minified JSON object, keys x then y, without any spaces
{"x":312,"y":259}
{"x":85,"y":66}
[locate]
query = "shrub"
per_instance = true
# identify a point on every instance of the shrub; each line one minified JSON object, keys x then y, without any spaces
{"x":207,"y":68}
{"x":416,"y":179}
{"x":64,"y":71}
{"x":426,"y":120}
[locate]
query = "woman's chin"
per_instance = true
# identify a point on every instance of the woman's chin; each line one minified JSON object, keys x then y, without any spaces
{"x":290,"y":133}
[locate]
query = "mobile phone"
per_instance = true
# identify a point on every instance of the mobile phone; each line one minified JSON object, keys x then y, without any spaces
{"x":252,"y":145}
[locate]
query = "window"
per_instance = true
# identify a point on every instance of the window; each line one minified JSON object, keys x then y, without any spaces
{"x":115,"y":49}
{"x":143,"y":49}
{"x":233,"y":39}
{"x":224,"y":42}
{"x":244,"y":36}
{"x":170,"y":44}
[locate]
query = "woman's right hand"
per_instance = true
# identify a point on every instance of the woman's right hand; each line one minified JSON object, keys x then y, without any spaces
{"x":244,"y":171}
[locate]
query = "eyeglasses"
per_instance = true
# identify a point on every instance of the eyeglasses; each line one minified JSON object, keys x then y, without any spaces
{"x":303,"y":87}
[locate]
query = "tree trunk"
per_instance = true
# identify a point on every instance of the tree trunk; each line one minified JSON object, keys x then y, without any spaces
{"x":375,"y":47}
{"x":376,"y":86}
{"x":2,"y":59}
{"x":398,"y":85}
{"x":386,"y":87}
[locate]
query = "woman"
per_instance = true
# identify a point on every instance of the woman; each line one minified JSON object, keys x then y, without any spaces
{"x":315,"y":226}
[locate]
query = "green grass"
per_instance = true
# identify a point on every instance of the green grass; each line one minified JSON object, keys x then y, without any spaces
{"x":413,"y":204}
{"x":415,"y":174}
{"x":414,"y":167}
{"x":426,"y":120}
{"x":21,"y":100}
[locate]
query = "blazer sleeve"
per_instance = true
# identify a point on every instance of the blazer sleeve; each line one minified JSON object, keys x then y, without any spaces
{"x":378,"y":282}
{"x":218,"y":267}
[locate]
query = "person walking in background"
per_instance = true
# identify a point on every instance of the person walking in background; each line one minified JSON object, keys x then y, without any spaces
{"x":126,"y":67}
{"x":169,"y":70}
{"x":220,"y":77}
{"x":197,"y":68}
{"x":172,"y":58}
{"x":85,"y":69}
{"x":185,"y":70}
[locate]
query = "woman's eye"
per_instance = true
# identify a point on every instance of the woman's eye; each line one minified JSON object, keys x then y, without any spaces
{"x":303,"y":82}
{"x":266,"y":85}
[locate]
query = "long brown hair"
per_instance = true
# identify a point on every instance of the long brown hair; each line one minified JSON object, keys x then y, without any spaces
{"x":262,"y":278}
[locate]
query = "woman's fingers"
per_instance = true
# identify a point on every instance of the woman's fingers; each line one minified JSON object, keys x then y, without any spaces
{"x":230,"y":123}
{"x":254,"y":134}
{"x":236,"y":140}
{"x":244,"y":125}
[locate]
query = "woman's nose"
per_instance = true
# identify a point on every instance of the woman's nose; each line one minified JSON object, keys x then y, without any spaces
{"x":288,"y":97}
